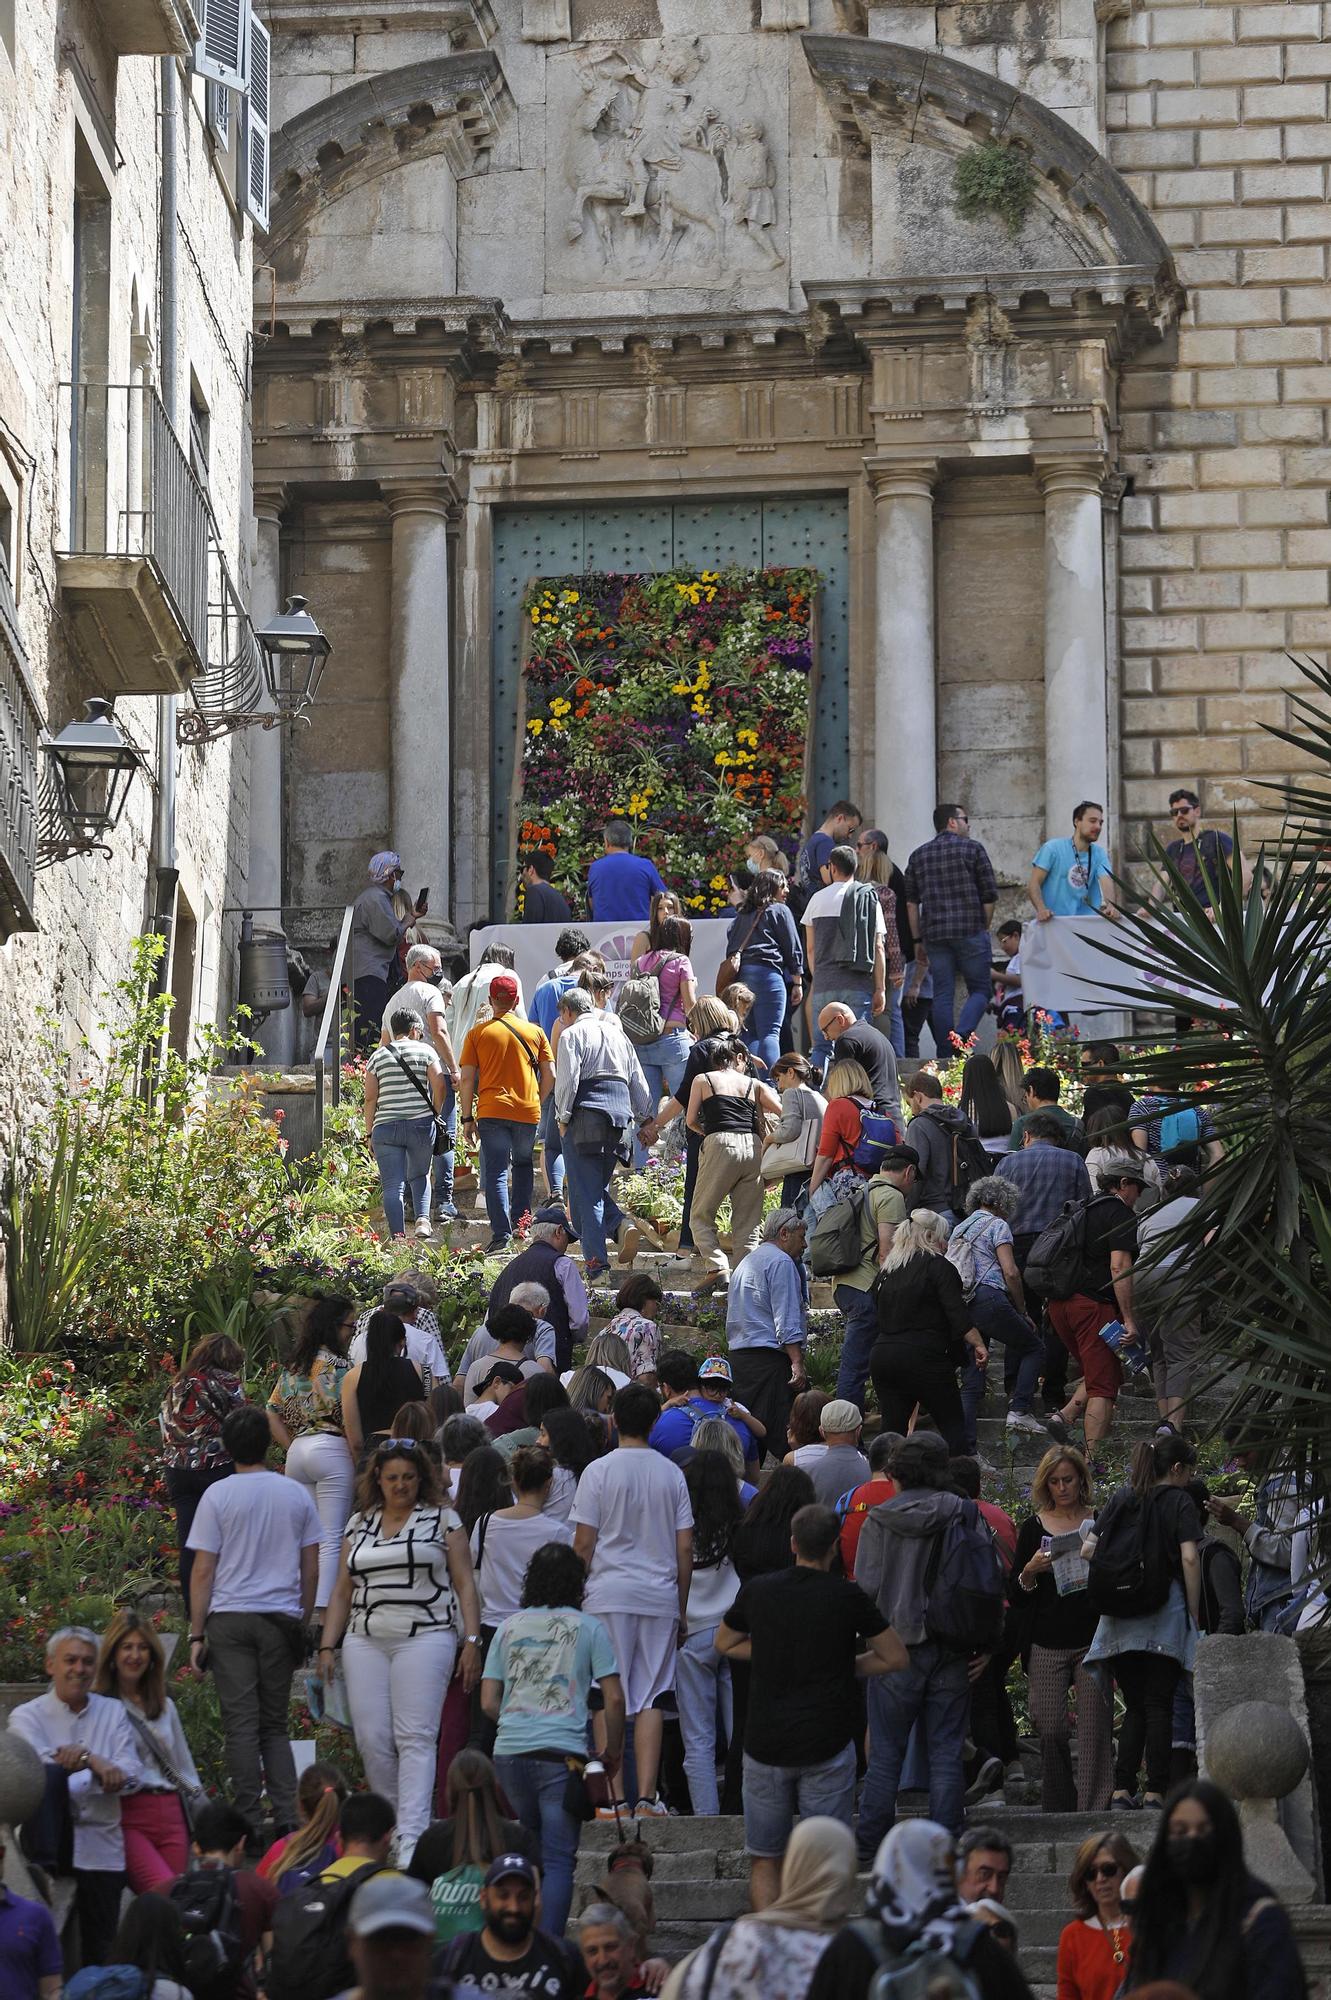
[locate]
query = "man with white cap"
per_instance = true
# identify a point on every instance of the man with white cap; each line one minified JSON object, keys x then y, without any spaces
{"x":390,"y":1938}
{"x":509,"y":1954}
{"x":843,"y":1465}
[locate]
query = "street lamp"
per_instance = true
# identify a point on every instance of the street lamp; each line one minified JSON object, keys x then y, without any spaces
{"x":294,"y":651}
{"x":91,"y":765}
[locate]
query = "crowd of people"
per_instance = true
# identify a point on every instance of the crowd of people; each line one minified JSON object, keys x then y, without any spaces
{"x":571,"y":1574}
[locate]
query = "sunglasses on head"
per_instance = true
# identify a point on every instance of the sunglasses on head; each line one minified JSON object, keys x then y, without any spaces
{"x":398,"y":1444}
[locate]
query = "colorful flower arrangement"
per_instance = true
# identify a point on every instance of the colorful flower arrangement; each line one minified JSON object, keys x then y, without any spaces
{"x":679,"y":703}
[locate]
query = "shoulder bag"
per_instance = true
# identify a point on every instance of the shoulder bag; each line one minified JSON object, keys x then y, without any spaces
{"x":525,"y":1046}
{"x":727,"y":973}
{"x":193,"y":1798}
{"x":441,"y":1143}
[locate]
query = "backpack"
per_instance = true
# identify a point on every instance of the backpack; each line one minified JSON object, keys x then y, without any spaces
{"x":456,"y":1896}
{"x":879,"y":1132}
{"x":1130,"y":1572}
{"x":309,"y":1959}
{"x":960,"y":1254}
{"x":837,"y":1242}
{"x":638,"y":1006}
{"x":920,"y":1972}
{"x":1058,"y":1254}
{"x":970,"y":1163}
{"x":965,"y":1585}
{"x":210,"y":1917}
{"x":1180,"y":1136}
{"x":108,"y":1982}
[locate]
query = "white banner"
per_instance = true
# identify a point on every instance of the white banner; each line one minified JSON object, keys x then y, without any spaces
{"x":533,"y":947}
{"x":1064,"y":970}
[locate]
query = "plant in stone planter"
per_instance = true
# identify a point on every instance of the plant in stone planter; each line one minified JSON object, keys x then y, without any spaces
{"x":993,"y":179}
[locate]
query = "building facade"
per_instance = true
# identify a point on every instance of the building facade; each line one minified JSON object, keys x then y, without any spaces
{"x":125,"y":498}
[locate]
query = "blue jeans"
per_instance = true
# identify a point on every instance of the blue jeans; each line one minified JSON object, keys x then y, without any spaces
{"x":505,"y":1141}
{"x":663,"y":1063}
{"x":762,"y":1030}
{"x":444,"y":1162}
{"x":997,"y":1318}
{"x":892,"y":1023}
{"x":860,"y":1312}
{"x":932,"y":1689}
{"x":702,"y":1690}
{"x":855,"y":994}
{"x":589,"y":1191}
{"x":552,"y":1149}
{"x":535,"y":1788}
{"x":401,"y":1149}
{"x":968,"y":958}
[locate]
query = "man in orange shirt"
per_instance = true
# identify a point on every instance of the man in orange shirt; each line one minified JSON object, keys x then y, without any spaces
{"x":507,"y":1073}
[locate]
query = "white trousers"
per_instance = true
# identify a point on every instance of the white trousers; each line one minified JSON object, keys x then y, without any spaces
{"x":396,"y":1690}
{"x":324,"y":1463}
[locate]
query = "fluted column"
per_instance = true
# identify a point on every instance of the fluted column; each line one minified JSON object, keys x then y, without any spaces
{"x":266,"y":766}
{"x":905,"y":684}
{"x":1076,"y":717}
{"x":418,"y":662}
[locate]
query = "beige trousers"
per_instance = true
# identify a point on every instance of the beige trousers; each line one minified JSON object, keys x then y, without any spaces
{"x":728,"y":1165}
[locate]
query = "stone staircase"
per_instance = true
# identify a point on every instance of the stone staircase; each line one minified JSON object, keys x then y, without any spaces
{"x":700,"y":1877}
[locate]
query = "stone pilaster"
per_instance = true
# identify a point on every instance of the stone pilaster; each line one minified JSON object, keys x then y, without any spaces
{"x":905,"y":712}
{"x":1076,"y":698}
{"x":419,"y":791}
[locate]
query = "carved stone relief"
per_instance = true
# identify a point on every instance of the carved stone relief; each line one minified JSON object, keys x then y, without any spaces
{"x":663,"y":171}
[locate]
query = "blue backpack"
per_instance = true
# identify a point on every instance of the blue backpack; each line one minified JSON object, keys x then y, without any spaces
{"x":879,"y":1133}
{"x":108,"y":1982}
{"x":965,"y":1585}
{"x":1180,"y":1135}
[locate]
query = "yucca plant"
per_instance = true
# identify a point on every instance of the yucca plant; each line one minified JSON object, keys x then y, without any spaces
{"x":1253,"y":974}
{"x":51,"y":1232}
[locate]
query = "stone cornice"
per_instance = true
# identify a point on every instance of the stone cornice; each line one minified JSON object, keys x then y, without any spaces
{"x":465,"y":324}
{"x":876,"y":87}
{"x":473,"y":20}
{"x":1123,"y":302}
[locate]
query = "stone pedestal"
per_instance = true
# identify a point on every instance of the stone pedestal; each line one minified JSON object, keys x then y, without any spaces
{"x":1076,"y":724}
{"x":905,"y":716}
{"x":418,"y":663}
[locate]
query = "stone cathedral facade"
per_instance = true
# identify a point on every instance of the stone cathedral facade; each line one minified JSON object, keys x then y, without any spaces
{"x":560,"y":285}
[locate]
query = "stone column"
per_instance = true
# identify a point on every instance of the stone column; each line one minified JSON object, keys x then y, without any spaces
{"x":264,"y":877}
{"x":1076,"y":698}
{"x":905,"y":685}
{"x":418,"y":655}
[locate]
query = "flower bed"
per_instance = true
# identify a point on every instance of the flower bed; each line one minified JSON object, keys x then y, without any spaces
{"x":677,"y":702}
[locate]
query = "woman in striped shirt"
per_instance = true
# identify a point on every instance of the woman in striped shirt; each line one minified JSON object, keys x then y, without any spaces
{"x":404,"y":1093}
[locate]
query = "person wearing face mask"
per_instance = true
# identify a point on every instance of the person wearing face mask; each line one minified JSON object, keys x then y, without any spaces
{"x":1201,"y":1918}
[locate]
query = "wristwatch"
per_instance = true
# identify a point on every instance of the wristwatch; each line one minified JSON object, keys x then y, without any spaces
{"x":471,"y":1638}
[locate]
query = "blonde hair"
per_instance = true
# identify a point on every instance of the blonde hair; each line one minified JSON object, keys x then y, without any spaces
{"x":847,"y":1079}
{"x":319,"y":1797}
{"x":608,"y":1350}
{"x":1061,"y":1454}
{"x":1006,"y":1059}
{"x":710,"y":1016}
{"x":873,"y":866}
{"x":738,"y":998}
{"x":152,"y":1688}
{"x":921,"y":1233}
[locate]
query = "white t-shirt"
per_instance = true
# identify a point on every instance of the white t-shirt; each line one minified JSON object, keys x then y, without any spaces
{"x":637,"y":1502}
{"x":827,"y":903}
{"x":620,"y":1380}
{"x":256,"y":1524}
{"x":501,"y":1561}
{"x":478,"y":1371}
{"x":423,"y":1347}
{"x":421,"y":998}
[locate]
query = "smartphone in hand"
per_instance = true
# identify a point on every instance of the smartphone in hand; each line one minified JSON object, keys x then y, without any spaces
{"x":422,"y":902}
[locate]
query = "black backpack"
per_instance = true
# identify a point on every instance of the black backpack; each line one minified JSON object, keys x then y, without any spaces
{"x":965,"y":1585}
{"x":1130,"y":1570}
{"x":970,"y":1163}
{"x":1058,"y":1255}
{"x":309,"y":1959}
{"x":210,"y":1918}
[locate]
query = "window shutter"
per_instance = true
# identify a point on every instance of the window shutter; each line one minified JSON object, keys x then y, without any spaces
{"x":222,"y":52}
{"x":256,"y":149}
{"x":219,"y":113}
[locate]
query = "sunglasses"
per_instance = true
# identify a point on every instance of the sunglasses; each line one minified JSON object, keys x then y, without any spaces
{"x":397,"y":1444}
{"x":1104,"y":1871}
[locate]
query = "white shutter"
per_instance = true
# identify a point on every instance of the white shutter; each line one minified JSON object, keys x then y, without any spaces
{"x":219,"y":112}
{"x":256,"y":149}
{"x":222,"y":52}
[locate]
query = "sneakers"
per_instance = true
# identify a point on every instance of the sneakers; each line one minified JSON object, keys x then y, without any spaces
{"x":423,"y":1227}
{"x":611,"y":1812}
{"x":496,"y":1247}
{"x":1124,"y":1802}
{"x":628,"y":1236}
{"x":1023,"y":1421}
{"x":987,"y":1779}
{"x":445,"y":1211}
{"x":651,"y":1809}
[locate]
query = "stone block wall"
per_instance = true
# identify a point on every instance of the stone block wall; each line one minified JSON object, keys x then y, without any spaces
{"x":1218,"y":116}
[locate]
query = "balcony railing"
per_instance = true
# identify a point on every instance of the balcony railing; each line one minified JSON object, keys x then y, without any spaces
{"x":135,"y":566}
{"x":229,"y":694}
{"x":20,"y":727}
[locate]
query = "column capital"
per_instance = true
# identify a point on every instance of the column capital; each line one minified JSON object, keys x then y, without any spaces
{"x":430,"y":497}
{"x":902,"y":478}
{"x":1079,"y":472}
{"x":270,"y":502}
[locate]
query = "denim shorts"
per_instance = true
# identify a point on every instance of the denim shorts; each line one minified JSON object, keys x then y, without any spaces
{"x":774,"y":1793}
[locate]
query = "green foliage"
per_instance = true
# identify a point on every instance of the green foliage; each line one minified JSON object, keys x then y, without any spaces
{"x":993,"y":179}
{"x":51,"y":1234}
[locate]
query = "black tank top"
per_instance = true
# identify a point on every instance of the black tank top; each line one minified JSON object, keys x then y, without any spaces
{"x":727,"y":1112}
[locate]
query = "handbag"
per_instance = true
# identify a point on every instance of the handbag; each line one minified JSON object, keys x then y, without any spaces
{"x":793,"y":1156}
{"x":727,"y":973}
{"x":193,"y":1798}
{"x":441,"y":1143}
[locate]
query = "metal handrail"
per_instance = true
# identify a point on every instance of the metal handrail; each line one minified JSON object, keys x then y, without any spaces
{"x":333,"y":1007}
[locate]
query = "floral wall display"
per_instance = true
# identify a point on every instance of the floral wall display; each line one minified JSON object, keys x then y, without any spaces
{"x":679,"y":702}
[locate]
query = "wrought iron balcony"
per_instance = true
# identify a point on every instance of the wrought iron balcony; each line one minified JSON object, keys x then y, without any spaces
{"x":20,"y":727}
{"x":135,"y":571}
{"x":229,"y":694}
{"x":151,"y":27}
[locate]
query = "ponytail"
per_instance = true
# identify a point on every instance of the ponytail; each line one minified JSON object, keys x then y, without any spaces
{"x":319,"y":1797}
{"x":1152,"y":1461}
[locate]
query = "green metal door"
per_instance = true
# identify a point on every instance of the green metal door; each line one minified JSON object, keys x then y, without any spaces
{"x":727,"y":534}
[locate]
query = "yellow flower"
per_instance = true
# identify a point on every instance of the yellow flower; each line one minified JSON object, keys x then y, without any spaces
{"x":535,"y":616}
{"x":571,"y":597}
{"x":713,"y":576}
{"x":723,"y":760}
{"x":682,"y":687}
{"x":704,"y":676}
{"x":556,"y":723}
{"x":695,"y":902}
{"x":560,"y":707}
{"x":535,"y":726}
{"x":749,"y":736}
{"x":717,"y":882}
{"x":700,"y":707}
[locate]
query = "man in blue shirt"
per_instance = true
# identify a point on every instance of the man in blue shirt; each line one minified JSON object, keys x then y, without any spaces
{"x":767,"y":1325}
{"x":621,"y":884}
{"x":1066,"y":875}
{"x":30,"y":1962}
{"x":841,"y":823}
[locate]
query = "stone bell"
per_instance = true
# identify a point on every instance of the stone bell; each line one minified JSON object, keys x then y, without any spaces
{"x":265,"y":987}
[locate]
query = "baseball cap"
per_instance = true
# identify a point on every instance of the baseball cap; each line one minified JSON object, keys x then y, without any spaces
{"x":505,"y":1865}
{"x":503,"y":986}
{"x":897,"y":1157}
{"x":715,"y":1369}
{"x":391,"y":1902}
{"x":839,"y":1415}
{"x":557,"y":1215}
{"x":398,"y":1291}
